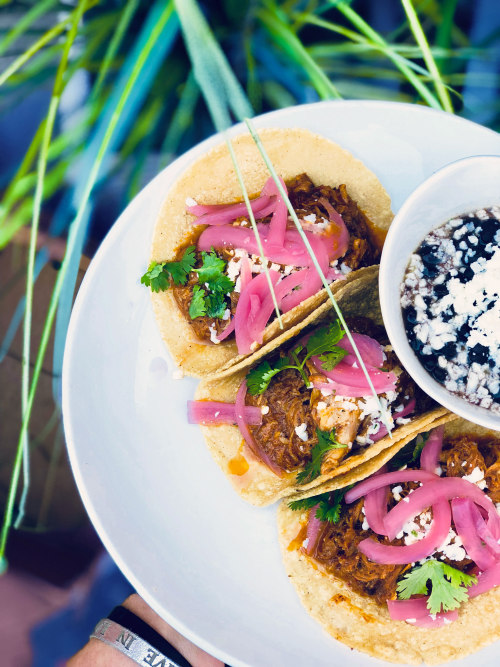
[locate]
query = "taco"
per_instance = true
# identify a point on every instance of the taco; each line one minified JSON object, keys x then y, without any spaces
{"x":210,"y":292}
{"x":303,"y":413}
{"x":405,"y":565}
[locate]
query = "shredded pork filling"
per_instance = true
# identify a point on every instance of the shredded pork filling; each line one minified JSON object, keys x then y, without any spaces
{"x":337,"y":546}
{"x":293,"y":412}
{"x":304,"y":197}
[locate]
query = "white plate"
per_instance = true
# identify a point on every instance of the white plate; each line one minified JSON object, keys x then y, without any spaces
{"x":202,"y":558}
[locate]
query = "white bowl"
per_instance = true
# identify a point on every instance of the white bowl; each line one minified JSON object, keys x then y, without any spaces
{"x":463,"y":186}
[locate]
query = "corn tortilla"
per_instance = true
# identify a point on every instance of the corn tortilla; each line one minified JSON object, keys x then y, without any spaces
{"x":358,"y":621}
{"x":259,"y":485}
{"x":212,"y":180}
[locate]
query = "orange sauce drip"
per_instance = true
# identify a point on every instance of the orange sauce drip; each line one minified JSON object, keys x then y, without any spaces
{"x":296,"y":543}
{"x":238,"y":465}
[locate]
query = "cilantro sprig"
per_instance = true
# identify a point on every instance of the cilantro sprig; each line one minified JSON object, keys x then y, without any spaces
{"x":210,"y":300}
{"x":329,"y":504}
{"x":209,"y":296}
{"x":326,"y":442}
{"x":159,"y":274}
{"x":321,"y":343}
{"x":449,"y":585}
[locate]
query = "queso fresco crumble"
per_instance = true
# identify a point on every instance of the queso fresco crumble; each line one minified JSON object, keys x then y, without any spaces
{"x":451,"y":308}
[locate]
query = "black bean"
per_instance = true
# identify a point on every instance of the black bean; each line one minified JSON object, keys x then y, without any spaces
{"x":440,"y":290}
{"x":479,"y":353}
{"x":417,"y":345}
{"x":439,"y":374}
{"x":449,"y":351}
{"x":430,"y":259}
{"x":430,"y":363}
{"x":410,"y":314}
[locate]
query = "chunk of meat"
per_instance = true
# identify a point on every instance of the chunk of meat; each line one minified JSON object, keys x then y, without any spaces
{"x":460,"y":456}
{"x":337,"y":551}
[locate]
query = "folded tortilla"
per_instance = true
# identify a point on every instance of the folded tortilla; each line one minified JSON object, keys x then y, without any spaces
{"x":211,"y":179}
{"x":250,"y":477}
{"x":361,"y":623}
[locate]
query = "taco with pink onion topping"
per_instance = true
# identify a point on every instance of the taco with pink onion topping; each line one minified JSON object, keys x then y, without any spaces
{"x":301,"y":412}
{"x":405,"y":564}
{"x":210,"y":290}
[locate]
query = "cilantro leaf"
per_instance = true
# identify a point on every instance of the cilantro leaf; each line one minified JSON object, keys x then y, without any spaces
{"x":307,"y":503}
{"x":329,"y":504}
{"x":330,"y":359}
{"x":332,"y":511}
{"x":326,"y":442}
{"x":324,"y":339}
{"x":159,"y":274}
{"x":197,"y":308}
{"x":155,"y":277}
{"x":211,"y":273}
{"x":215,"y":305}
{"x":258,"y":378}
{"x":449,"y":585}
{"x":180,"y":270}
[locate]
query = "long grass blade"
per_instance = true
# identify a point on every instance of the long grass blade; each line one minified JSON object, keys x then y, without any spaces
{"x":305,"y":240}
{"x":124,"y":21}
{"x":156,"y":32}
{"x":421,"y":39}
{"x":281,"y":33}
{"x":37,"y":205}
{"x":38,"y":9}
{"x":39,"y":44}
{"x":367,"y":30}
{"x":218,"y":85}
{"x":128,"y":117}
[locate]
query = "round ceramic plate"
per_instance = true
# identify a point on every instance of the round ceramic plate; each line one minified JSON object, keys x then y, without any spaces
{"x":207,"y":562}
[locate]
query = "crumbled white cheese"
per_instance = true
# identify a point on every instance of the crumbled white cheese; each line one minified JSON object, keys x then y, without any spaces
{"x":213,"y":334}
{"x":310,"y":218}
{"x":301,"y":431}
{"x":476,"y":477}
{"x":396,"y":492}
{"x":227,"y":314}
{"x":321,"y":405}
{"x":264,"y":409}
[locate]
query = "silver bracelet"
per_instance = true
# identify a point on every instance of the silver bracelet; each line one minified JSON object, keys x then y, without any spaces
{"x":130,"y":644}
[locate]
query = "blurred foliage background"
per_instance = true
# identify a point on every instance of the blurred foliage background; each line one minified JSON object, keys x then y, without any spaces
{"x":97,"y":96}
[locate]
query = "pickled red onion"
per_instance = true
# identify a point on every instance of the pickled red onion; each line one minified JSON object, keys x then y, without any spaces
{"x":293,"y":252}
{"x":341,"y":241}
{"x":464,"y":520}
{"x":257,"y":322}
{"x":400,"y":610}
{"x":430,"y":453}
{"x":444,"y":488}
{"x":375,"y":506}
{"x":485,"y":581}
{"x":403,"y":555}
{"x":214,"y":412}
{"x":247,"y":436}
{"x":312,"y":281}
{"x":371,"y":351}
{"x":277,"y":226}
{"x":226,"y":331}
{"x":397,"y":477}
{"x":220,"y":214}
{"x":415,"y":612}
{"x":382,"y":432}
{"x":313,"y":530}
{"x":256,"y":291}
{"x":348,"y":376}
